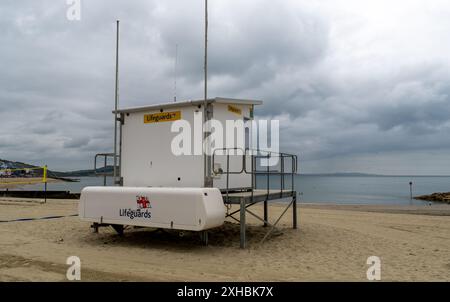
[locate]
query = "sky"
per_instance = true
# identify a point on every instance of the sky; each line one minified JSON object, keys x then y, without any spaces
{"x":358,"y":86}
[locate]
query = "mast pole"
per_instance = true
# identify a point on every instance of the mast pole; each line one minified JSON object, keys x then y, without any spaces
{"x":206,"y":110}
{"x":116,"y":106}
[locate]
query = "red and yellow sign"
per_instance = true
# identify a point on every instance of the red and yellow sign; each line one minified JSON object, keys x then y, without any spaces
{"x":162,"y":117}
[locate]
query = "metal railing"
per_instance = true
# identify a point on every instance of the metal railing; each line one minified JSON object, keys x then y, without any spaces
{"x":282,"y":172}
{"x":260,"y":154}
{"x":105,"y":174}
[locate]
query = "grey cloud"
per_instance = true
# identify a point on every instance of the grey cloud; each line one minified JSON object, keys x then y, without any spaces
{"x":249,"y":49}
{"x":43,"y":129}
{"x":76,"y":142}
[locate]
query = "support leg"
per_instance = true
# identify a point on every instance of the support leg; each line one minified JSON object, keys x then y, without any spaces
{"x":118,"y":228}
{"x":266,"y":212}
{"x":95,"y":227}
{"x":243,"y":239}
{"x":294,"y":211}
{"x":204,"y":237}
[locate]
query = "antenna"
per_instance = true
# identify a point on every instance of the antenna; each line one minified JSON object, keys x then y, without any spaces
{"x":206,"y":53}
{"x":175,"y":74}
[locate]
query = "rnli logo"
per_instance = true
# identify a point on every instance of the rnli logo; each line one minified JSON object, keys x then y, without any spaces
{"x":143,"y":202}
{"x":142,"y":211}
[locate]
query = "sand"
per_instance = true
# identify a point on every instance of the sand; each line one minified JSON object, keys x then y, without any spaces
{"x":332,"y":244}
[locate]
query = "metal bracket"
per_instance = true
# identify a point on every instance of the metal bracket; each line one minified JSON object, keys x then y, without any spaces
{"x":121,"y":119}
{"x":119,"y":182}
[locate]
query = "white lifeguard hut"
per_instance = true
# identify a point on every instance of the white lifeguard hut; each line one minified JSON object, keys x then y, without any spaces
{"x":147,"y":136}
{"x":157,"y":187}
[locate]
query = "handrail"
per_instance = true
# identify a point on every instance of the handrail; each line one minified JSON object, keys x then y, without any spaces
{"x":104,"y":174}
{"x":228,"y":157}
{"x":105,"y":156}
{"x":228,"y":165}
{"x":254,"y":172}
{"x":294,"y":159}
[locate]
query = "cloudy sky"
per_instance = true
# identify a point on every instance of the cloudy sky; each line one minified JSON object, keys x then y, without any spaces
{"x":357,"y":85}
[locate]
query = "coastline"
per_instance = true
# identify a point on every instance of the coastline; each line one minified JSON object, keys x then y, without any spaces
{"x":332,"y":244}
{"x":436,"y":209}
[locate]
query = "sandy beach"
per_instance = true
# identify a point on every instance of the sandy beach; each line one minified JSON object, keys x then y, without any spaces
{"x":332,"y":244}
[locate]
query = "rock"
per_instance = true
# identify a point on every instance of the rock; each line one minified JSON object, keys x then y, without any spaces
{"x":436,"y":197}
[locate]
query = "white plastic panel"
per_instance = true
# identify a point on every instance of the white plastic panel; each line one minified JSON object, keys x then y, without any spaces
{"x":222,"y":114}
{"x":147,"y":158}
{"x":193,"y":209}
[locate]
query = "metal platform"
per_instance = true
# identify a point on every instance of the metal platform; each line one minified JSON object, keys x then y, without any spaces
{"x":246,"y":199}
{"x":255,"y":196}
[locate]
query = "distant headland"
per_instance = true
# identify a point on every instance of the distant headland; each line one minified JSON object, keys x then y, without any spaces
{"x":7,"y":164}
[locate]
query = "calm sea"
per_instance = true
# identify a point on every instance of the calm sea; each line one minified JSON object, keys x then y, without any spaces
{"x":325,"y":189}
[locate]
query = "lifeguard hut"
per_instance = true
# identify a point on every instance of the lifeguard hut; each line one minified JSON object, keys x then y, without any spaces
{"x":157,"y":187}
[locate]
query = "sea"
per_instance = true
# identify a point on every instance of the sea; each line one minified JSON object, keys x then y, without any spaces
{"x":372,"y":190}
